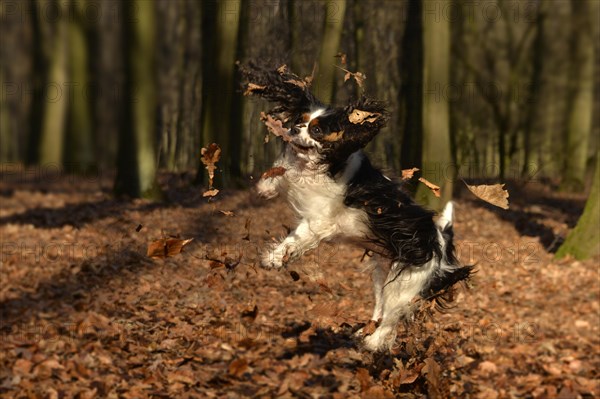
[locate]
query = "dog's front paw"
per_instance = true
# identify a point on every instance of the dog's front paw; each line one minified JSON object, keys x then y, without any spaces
{"x":275,"y":257}
{"x":267,"y":188}
{"x":380,"y":341}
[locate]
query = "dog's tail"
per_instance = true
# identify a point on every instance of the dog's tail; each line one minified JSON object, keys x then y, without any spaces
{"x":447,"y":216}
{"x":449,"y":271}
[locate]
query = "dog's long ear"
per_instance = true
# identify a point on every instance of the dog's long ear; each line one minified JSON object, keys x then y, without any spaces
{"x":364,"y":118}
{"x":278,"y":85}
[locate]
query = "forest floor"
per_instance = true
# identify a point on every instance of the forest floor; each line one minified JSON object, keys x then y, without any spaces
{"x":85,"y":313}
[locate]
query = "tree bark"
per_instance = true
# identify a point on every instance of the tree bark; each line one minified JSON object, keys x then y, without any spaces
{"x":437,"y":160}
{"x":56,"y":99}
{"x":412,"y":88}
{"x":330,"y":46}
{"x":584,"y":240}
{"x":581,"y":79}
{"x":219,"y":53}
{"x":136,"y":164}
{"x":79,"y":155}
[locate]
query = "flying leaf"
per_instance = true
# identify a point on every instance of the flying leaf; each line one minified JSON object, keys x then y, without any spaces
{"x":494,"y":194}
{"x":408,"y":174}
{"x":209,"y":157}
{"x":359,"y":117}
{"x":210,"y":193}
{"x":227,"y":213}
{"x":282,"y":69}
{"x":309,"y":79}
{"x":253,"y":87}
{"x":435,"y":189}
{"x":166,"y":247}
{"x":343,"y":58}
{"x":359,"y":77}
{"x":300,"y":83}
{"x":274,"y":172}
{"x":275,"y":126}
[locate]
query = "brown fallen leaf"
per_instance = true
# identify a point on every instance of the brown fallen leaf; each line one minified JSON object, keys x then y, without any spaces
{"x":227,"y":213}
{"x":408,"y":377}
{"x":210,"y":193}
{"x":182,"y":376}
{"x":275,"y":126}
{"x":486,"y":368}
{"x":210,"y":156}
{"x":370,"y":327}
{"x":409,"y":173}
{"x":274,"y":172}
{"x":216,"y":264}
{"x":22,"y":367}
{"x":432,"y":372}
{"x":435,"y":189}
{"x":364,"y":379}
{"x":238,"y":367}
{"x":324,"y":286}
{"x":252,"y":87}
{"x":166,"y":247}
{"x":359,"y":117}
{"x":250,"y":315}
{"x":494,"y":194}
{"x":247,"y":227}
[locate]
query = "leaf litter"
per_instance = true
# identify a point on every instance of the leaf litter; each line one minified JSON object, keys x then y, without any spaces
{"x":115,"y":323}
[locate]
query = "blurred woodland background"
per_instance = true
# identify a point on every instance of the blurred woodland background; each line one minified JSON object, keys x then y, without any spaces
{"x":499,"y":89}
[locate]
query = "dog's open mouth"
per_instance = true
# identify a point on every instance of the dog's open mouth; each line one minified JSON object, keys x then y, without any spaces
{"x":301,"y":148}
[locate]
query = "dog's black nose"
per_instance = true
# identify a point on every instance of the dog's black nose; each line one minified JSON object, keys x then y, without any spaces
{"x":295,"y":130}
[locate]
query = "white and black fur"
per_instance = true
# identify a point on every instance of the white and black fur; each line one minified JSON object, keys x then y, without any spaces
{"x":336,"y":192}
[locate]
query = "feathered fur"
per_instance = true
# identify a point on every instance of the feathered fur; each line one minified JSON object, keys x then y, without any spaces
{"x":336,"y":192}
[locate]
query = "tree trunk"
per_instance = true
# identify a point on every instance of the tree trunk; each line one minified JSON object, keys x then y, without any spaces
{"x":412,"y":88}
{"x":584,"y":240}
{"x":56,"y":99}
{"x":330,"y":46}
{"x":6,"y":137}
{"x":582,"y":101}
{"x":136,"y":164}
{"x":79,"y":154}
{"x":264,"y":35}
{"x":382,"y":60}
{"x":220,"y":46}
{"x":437,"y":160}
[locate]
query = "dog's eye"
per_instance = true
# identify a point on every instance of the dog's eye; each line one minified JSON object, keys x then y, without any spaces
{"x":316,"y":130}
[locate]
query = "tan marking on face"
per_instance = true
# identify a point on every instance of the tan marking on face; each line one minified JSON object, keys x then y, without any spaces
{"x":334,"y":136}
{"x":314,"y":122}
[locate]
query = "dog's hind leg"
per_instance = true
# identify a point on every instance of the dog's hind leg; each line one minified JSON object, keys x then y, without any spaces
{"x":399,"y":289}
{"x":379,"y":273}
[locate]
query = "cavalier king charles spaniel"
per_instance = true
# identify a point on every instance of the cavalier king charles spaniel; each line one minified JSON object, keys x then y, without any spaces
{"x":336,"y":193}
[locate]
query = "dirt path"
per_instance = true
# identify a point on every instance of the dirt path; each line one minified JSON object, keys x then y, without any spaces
{"x":85,"y":313}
